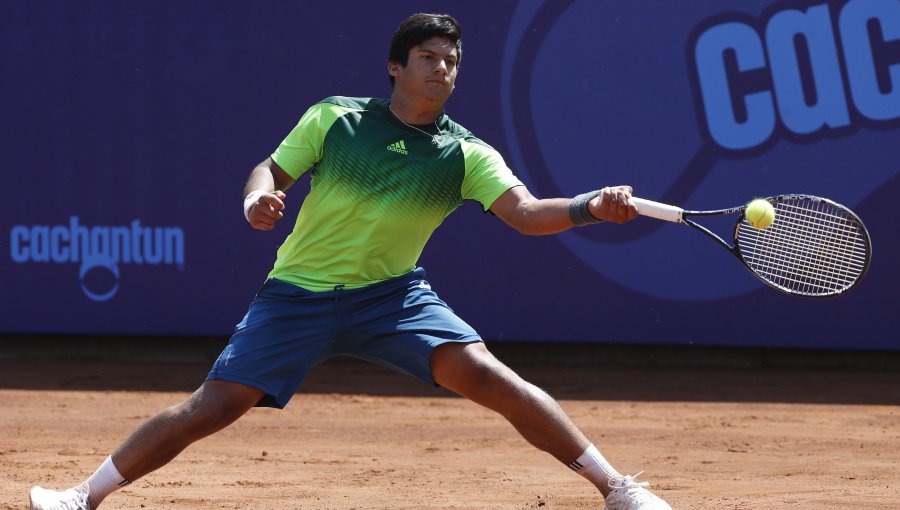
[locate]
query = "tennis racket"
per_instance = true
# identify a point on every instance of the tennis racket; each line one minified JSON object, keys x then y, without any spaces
{"x":814,"y":248}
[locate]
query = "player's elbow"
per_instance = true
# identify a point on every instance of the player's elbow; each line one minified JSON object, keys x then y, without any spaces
{"x":528,"y":216}
{"x":529,"y":229}
{"x":529,"y":224}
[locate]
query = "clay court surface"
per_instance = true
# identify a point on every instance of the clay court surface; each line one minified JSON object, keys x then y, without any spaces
{"x":360,"y":437}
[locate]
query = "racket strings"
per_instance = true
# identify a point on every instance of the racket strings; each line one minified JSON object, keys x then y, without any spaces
{"x":814,"y":253}
{"x":802,"y":252}
{"x":807,"y":240}
{"x":813,"y":247}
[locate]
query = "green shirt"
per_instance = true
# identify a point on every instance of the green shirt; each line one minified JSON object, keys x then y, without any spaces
{"x":378,"y":190}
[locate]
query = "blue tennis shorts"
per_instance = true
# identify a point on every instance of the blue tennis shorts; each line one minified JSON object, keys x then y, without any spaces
{"x":288,"y":330}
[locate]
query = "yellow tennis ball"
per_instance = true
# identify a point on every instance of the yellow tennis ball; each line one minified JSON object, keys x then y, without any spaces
{"x":759,"y":213}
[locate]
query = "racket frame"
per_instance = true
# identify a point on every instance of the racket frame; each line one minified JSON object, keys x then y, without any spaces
{"x":675,"y":214}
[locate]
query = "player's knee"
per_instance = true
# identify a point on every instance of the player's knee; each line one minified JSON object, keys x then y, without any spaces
{"x":496,"y":381}
{"x":539,"y":396}
{"x":201,"y":421}
{"x":475,"y":373}
{"x":201,"y":415}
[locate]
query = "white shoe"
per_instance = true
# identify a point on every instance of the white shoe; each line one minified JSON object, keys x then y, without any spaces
{"x":75,"y":498}
{"x":626,"y":494}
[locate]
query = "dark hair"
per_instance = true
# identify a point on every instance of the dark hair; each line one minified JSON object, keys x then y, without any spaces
{"x":417,"y":29}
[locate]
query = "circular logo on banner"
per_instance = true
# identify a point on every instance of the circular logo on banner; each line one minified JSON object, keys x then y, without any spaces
{"x":89,"y":274}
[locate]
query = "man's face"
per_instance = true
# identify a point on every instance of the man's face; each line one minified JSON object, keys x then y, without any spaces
{"x":430,"y":71}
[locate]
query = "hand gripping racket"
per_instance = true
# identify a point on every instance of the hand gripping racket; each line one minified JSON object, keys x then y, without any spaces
{"x":815,"y":247}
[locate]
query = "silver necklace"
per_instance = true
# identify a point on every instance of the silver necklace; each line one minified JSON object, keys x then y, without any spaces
{"x":440,"y":140}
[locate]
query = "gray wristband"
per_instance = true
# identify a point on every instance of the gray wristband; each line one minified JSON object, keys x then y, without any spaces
{"x":579,"y":212}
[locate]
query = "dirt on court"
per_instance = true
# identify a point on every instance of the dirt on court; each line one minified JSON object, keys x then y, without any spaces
{"x":361,"y":437}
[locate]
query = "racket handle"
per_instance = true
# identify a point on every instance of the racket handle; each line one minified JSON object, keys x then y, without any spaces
{"x":658,"y":210}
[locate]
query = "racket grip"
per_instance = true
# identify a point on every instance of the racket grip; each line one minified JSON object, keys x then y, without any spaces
{"x":658,"y":210}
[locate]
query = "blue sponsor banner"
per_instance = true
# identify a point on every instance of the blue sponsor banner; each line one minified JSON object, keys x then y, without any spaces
{"x":129,"y":129}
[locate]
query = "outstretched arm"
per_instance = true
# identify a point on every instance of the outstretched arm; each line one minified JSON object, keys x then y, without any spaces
{"x":519,"y":209}
{"x":264,"y":194}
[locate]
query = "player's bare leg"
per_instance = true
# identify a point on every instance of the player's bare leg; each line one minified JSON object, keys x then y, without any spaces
{"x":214,"y":406}
{"x":473,"y":372}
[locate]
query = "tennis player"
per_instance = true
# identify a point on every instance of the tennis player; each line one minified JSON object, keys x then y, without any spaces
{"x":384,"y":175}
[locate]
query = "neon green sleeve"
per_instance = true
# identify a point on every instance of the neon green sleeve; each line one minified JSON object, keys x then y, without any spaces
{"x":487,"y":176}
{"x":302,"y":148}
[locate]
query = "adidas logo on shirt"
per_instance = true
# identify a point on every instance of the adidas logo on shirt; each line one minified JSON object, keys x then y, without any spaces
{"x":398,"y":147}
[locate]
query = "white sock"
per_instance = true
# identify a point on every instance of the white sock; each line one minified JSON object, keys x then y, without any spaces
{"x":593,"y":466}
{"x":104,"y":482}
